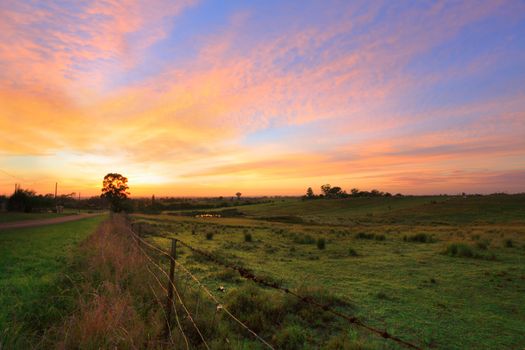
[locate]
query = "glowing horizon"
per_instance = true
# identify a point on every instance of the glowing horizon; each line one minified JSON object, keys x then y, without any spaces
{"x":202,"y":98}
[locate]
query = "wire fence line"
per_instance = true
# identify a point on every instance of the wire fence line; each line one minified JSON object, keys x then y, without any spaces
{"x":218,"y":303}
{"x":249,"y":275}
{"x":156,"y":278}
{"x":243,"y":272}
{"x":137,"y":239}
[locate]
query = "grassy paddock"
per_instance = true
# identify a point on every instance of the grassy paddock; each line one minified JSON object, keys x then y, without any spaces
{"x":447,"y":273}
{"x":32,"y":265}
{"x":12,"y":216}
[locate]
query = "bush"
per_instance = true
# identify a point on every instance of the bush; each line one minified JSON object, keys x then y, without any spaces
{"x":303,"y":239}
{"x":352,"y":252}
{"x":483,"y":245}
{"x":509,"y":243}
{"x":379,"y":237}
{"x":363,"y":235}
{"x":228,"y":275}
{"x":209,"y":236}
{"x":247,"y":237}
{"x":460,"y":250}
{"x":419,"y":238}
{"x":348,"y":342}
{"x":290,"y":338}
{"x":321,"y":243}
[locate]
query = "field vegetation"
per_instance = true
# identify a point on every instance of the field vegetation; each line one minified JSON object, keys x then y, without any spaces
{"x":442,"y":272}
{"x":426,"y":269}
{"x":35,"y":289}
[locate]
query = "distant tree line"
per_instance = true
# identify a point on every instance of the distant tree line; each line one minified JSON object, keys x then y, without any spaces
{"x":157,"y":205}
{"x":327,"y":191}
{"x":28,"y":201}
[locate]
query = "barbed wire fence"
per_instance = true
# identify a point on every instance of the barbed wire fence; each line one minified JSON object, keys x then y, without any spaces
{"x":218,"y":305}
{"x":245,"y":273}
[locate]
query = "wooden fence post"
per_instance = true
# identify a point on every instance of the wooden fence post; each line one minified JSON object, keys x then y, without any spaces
{"x":169,"y":302}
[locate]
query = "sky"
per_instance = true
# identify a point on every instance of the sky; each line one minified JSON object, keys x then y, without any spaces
{"x":208,"y":98}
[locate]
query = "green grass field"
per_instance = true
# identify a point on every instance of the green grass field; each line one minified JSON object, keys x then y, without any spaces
{"x":395,"y":261}
{"x":32,"y":266}
{"x":15,"y":216}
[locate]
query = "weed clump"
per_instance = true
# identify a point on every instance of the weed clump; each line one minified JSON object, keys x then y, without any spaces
{"x":209,"y":236}
{"x":483,"y":245}
{"x":462,"y":250}
{"x":459,"y":249}
{"x":247,"y":237}
{"x":419,"y":238}
{"x":352,"y":252}
{"x":227,"y":275}
{"x":509,"y":243}
{"x":321,"y":243}
{"x":303,"y":239}
{"x":363,"y":235}
{"x":291,"y":337}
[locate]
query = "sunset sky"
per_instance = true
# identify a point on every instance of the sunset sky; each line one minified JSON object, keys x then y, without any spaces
{"x":194,"y":98}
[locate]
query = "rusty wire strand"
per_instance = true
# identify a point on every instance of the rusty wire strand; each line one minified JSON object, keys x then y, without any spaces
{"x":351,"y":319}
{"x":206,"y":290}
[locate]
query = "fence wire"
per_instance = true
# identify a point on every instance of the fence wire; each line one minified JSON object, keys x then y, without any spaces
{"x":250,"y":276}
{"x":218,"y":303}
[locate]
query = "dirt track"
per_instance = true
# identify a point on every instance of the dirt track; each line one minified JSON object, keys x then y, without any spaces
{"x":42,"y":222}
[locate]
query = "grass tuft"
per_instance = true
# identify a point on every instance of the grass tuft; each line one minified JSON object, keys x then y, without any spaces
{"x":419,"y":238}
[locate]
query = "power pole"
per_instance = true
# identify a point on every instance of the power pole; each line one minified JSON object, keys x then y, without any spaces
{"x":56,"y":186}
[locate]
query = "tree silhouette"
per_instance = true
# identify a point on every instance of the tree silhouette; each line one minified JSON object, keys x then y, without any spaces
{"x":115,"y":190}
{"x":326,"y":189}
{"x":310,"y":193}
{"x":238,"y":194}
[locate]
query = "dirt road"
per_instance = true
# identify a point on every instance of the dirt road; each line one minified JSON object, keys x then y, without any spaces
{"x":42,"y":222}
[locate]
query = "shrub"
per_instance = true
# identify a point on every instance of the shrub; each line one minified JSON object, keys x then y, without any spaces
{"x":460,"y":250}
{"x":321,"y":243}
{"x":303,"y":239}
{"x":247,"y":237}
{"x":290,"y":338}
{"x":419,"y":237}
{"x":352,"y":252}
{"x":483,"y":245}
{"x":509,"y":243}
{"x":382,"y":295}
{"x":379,"y":237}
{"x":363,"y":235}
{"x":228,"y":275}
{"x":209,"y":236}
{"x":348,"y":342}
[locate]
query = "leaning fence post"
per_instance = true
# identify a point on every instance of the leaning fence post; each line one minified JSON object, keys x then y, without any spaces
{"x":169,"y":302}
